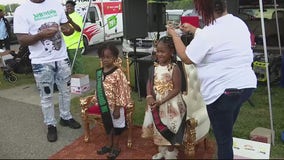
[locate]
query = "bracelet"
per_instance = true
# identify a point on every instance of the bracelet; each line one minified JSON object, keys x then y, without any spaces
{"x":149,"y":96}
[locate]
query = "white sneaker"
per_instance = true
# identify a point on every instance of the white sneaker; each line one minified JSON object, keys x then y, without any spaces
{"x":161,"y":154}
{"x":171,"y":155}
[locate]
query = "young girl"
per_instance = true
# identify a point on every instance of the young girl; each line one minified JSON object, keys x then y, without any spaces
{"x":164,"y":102}
{"x":112,"y":95}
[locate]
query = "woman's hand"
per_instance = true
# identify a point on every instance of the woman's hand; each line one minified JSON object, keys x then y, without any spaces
{"x":186,"y":27}
{"x":116,"y":112}
{"x":171,"y":31}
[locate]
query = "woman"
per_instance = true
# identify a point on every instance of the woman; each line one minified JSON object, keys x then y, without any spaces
{"x":222,"y":54}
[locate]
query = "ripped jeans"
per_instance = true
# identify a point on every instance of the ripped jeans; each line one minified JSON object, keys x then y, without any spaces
{"x":45,"y":75}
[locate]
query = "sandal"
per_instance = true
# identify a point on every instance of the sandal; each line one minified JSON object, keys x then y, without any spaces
{"x":104,"y":150}
{"x":113,"y":154}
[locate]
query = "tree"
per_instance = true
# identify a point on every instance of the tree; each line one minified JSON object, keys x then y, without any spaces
{"x":2,"y":7}
{"x":180,"y":4}
{"x":10,"y":8}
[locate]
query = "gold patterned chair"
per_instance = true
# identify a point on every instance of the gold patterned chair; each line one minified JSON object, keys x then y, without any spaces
{"x":198,"y":123}
{"x":90,"y":116}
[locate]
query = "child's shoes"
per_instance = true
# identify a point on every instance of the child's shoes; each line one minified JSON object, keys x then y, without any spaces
{"x":171,"y":155}
{"x":161,"y":154}
{"x":114,"y":153}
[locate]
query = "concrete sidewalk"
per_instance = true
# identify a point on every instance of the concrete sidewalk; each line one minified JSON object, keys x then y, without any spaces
{"x":26,"y":94}
{"x":22,"y":131}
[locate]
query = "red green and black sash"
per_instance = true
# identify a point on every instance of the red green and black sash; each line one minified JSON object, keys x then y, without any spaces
{"x":173,"y":138}
{"x":102,"y":101}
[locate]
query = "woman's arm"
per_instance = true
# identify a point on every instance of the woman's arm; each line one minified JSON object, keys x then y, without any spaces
{"x":180,"y":47}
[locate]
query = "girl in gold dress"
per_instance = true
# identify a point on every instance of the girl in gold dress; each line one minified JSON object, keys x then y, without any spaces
{"x":164,"y":102}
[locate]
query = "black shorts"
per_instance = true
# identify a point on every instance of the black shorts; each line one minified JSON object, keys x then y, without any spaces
{"x":118,"y":131}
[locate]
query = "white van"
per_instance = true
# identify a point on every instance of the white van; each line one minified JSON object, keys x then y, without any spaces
{"x":104,"y":20}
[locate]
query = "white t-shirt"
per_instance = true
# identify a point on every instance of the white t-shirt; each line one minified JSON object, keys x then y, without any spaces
{"x":223,"y":57}
{"x":30,"y":18}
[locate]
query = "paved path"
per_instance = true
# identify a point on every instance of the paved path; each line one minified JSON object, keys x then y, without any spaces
{"x":22,"y":132}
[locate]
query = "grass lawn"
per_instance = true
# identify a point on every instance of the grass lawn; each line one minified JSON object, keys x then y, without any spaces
{"x":250,"y":117}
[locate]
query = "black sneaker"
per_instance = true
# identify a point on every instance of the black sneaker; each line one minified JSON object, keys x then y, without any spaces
{"x":70,"y":122}
{"x":52,"y":133}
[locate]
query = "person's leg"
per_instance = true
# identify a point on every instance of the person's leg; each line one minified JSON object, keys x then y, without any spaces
{"x":44,"y":77}
{"x":223,"y":114}
{"x":221,"y":117}
{"x":171,"y":153}
{"x":7,"y":43}
{"x":78,"y":66}
{"x":244,"y":97}
{"x":107,"y":148}
{"x":63,"y":80}
{"x":1,"y":44}
{"x":44,"y":74}
{"x":116,"y":137}
{"x":115,"y":143}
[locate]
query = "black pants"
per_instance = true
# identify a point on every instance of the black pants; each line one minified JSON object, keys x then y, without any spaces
{"x":6,"y":43}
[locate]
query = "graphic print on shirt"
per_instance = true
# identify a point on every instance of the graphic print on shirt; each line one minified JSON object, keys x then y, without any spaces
{"x":53,"y":43}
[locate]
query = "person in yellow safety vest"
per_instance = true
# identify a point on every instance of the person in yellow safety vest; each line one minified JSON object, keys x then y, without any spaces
{"x":76,"y":21}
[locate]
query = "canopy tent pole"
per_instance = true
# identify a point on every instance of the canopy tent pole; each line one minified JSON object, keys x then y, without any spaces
{"x":81,"y":35}
{"x":267,"y":70}
{"x":277,"y":27}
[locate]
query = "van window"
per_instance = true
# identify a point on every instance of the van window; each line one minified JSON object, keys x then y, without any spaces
{"x":92,"y":15}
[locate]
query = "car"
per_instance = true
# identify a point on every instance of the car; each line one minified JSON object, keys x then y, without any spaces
{"x":174,"y":15}
{"x":13,"y":38}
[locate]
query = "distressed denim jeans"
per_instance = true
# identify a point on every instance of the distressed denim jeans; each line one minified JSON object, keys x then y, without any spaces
{"x":223,"y":114}
{"x":46,"y":75}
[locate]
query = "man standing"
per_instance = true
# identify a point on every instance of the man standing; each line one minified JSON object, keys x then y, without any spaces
{"x":71,"y":41}
{"x":37,"y":24}
{"x":5,"y":31}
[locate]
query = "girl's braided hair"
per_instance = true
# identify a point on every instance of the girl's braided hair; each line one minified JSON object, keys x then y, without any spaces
{"x":170,"y":43}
